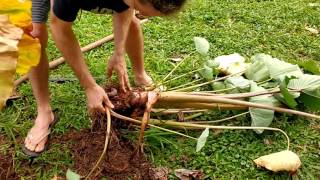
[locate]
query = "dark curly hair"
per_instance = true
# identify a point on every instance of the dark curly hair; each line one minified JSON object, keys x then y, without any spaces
{"x":165,"y":6}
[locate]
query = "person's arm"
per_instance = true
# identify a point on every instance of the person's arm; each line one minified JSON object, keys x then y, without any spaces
{"x":121,"y":23}
{"x":68,"y":45}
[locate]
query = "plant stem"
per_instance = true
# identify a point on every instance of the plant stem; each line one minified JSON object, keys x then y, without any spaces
{"x":163,"y":104}
{"x":220,"y":120}
{"x":202,"y":126}
{"x":186,"y":84}
{"x":176,"y":67}
{"x":202,"y":84}
{"x":171,"y":97}
{"x":174,"y":111}
{"x":119,"y":116}
{"x":182,"y":75}
{"x":252,"y":94}
{"x":105,"y":143}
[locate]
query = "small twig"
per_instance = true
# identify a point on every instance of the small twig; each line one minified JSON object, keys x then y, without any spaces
{"x":105,"y":143}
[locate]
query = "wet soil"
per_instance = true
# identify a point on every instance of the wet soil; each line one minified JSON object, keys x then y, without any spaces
{"x":6,"y":163}
{"x":122,"y":160}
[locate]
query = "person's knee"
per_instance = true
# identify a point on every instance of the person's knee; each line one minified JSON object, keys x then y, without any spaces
{"x":135,"y":25}
{"x":39,"y":31}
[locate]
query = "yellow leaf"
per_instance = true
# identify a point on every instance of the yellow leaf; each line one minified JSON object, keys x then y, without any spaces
{"x":9,"y":38}
{"x":280,"y":161}
{"x":29,"y":54}
{"x":19,"y":12}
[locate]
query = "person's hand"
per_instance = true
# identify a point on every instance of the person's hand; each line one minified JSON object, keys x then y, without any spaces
{"x":97,"y":99}
{"x":117,"y":63}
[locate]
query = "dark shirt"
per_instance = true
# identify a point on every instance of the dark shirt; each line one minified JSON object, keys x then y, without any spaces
{"x":67,"y":10}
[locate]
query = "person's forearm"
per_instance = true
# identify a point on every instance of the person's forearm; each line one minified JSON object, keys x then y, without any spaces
{"x":67,"y":43}
{"x":121,"y":22}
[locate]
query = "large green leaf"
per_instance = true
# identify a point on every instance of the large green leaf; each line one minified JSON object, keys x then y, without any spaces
{"x":277,"y":69}
{"x":311,"y":99}
{"x":231,"y":64}
{"x":261,"y":117}
{"x":257,"y":71}
{"x":288,"y":98}
{"x":202,"y":45}
{"x":239,"y":82}
{"x":305,"y":83}
{"x":202,"y":139}
{"x":207,"y":73}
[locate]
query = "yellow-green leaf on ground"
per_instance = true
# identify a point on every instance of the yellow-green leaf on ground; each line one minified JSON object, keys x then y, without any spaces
{"x":29,"y":54}
{"x":9,"y":38}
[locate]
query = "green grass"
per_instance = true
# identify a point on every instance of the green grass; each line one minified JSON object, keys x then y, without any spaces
{"x":243,"y":26}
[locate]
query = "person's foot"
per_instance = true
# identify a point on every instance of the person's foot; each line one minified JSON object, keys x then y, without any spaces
{"x":38,"y":135}
{"x":143,"y":80}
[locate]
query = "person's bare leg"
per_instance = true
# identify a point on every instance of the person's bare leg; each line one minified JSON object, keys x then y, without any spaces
{"x":135,"y":50}
{"x":39,"y":80}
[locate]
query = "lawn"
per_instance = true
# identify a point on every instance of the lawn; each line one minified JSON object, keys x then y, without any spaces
{"x":243,"y":26}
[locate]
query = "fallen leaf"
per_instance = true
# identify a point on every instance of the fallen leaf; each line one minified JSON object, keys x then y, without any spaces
{"x":186,"y":174}
{"x":160,"y":173}
{"x":312,"y":30}
{"x":280,"y":161}
{"x":178,"y":59}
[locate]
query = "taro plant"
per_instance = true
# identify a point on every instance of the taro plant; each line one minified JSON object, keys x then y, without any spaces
{"x":262,"y":86}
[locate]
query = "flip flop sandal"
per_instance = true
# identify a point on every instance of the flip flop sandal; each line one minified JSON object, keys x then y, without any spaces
{"x":34,"y":154}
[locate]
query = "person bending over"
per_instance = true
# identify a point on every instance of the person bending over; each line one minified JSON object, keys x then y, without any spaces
{"x":128,"y":39}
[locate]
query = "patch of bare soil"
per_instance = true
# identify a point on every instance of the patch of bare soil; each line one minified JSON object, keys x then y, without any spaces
{"x":122,"y":161}
{"x":6,"y":164}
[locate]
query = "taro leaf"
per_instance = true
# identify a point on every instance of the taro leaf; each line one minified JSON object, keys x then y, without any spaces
{"x":261,"y":117}
{"x":218,"y":85}
{"x":311,"y":101}
{"x":202,"y":45}
{"x":231,"y":64}
{"x":207,"y":73}
{"x":288,"y":98}
{"x":258,"y":70}
{"x":72,"y":175}
{"x":279,"y":69}
{"x":212,"y":64}
{"x":239,"y":82}
{"x":306,"y":83}
{"x":202,"y":139}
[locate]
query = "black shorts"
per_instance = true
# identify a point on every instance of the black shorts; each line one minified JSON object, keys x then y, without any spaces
{"x":67,"y":10}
